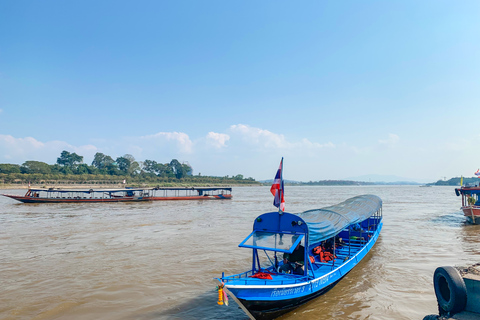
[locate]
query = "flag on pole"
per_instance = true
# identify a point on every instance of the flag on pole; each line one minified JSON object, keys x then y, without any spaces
{"x":477,"y":173}
{"x":277,"y":189}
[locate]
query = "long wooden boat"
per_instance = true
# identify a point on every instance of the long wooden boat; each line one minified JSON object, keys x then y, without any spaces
{"x":470,"y":202}
{"x":58,"y":195}
{"x":266,"y":292}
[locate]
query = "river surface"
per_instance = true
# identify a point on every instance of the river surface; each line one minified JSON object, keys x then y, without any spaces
{"x":158,"y":260}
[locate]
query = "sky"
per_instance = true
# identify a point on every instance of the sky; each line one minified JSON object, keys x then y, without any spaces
{"x":337,"y":88}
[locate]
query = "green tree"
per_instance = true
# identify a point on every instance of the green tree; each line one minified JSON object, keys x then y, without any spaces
{"x":35,"y":167}
{"x":68,"y":159}
{"x":134,"y":169}
{"x":84,"y":168}
{"x":124,"y":164}
{"x":150,"y":166}
{"x":187,"y":169}
{"x":9,"y":168}
{"x":177,"y":168}
{"x":56,"y":168}
{"x":163,"y":170}
{"x":101,"y":161}
{"x":112,"y":169}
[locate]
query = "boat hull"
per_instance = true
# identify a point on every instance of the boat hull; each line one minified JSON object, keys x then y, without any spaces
{"x":205,"y":197}
{"x":72,"y":200}
{"x":266,"y":310}
{"x":114,"y":199}
{"x":472,"y":213}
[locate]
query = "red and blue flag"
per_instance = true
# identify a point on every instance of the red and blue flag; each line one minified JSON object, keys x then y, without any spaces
{"x":478,"y":173}
{"x":277,"y":189}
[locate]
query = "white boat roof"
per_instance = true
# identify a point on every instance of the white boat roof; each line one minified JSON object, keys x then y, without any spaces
{"x":127,"y":189}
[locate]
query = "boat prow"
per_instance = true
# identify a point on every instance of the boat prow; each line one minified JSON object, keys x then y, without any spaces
{"x":15,"y":197}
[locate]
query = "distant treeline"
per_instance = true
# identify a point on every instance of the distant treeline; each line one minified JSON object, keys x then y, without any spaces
{"x":105,"y":170}
{"x":334,"y":183}
{"x":455,"y":181}
{"x":339,"y":183}
{"x":322,"y":183}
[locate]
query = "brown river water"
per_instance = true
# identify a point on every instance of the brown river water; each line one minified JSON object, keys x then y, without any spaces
{"x":158,"y":260}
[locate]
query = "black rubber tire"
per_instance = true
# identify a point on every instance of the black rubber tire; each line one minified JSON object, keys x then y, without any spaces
{"x":431,"y":317}
{"x":450,"y":289}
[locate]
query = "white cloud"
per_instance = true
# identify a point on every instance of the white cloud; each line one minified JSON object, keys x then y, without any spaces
{"x":181,"y":139}
{"x":308,"y":144}
{"x":260,"y":137}
{"x":19,"y":150}
{"x":267,"y":139}
{"x":218,"y":140}
{"x":390,"y":141}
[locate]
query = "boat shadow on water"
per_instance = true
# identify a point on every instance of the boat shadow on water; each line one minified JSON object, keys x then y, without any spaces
{"x":203,"y":306}
{"x":453,"y":219}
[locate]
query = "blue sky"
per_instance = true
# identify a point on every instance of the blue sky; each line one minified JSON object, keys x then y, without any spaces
{"x":338,"y":88}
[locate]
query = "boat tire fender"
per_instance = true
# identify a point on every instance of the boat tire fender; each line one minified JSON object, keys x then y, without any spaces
{"x":450,"y":289}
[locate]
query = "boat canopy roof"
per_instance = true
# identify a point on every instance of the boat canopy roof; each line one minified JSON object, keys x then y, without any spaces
{"x":467,"y":190}
{"x":192,"y":188}
{"x":327,"y":222}
{"x":283,"y":231}
{"x":85,"y":190}
{"x":128,"y":189}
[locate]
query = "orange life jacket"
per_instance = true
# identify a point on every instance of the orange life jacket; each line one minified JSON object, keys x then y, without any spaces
{"x":262,"y":275}
{"x":324,"y":256}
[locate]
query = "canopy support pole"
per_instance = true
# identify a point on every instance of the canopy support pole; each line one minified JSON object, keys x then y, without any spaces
{"x":349,"y":243}
{"x":334,"y":247}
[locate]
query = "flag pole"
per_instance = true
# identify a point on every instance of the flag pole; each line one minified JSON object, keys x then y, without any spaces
{"x":277,"y":189}
{"x":281,"y":188}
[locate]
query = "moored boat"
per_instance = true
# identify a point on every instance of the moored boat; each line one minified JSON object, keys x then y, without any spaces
{"x":331,"y":241}
{"x":470,"y":202}
{"x":58,"y":195}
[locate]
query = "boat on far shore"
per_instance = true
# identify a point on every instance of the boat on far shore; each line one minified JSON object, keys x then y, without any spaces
{"x":59,"y":195}
{"x":470,"y":202}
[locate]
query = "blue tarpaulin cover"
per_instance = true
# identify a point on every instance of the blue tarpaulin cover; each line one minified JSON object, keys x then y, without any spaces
{"x":327,"y":222}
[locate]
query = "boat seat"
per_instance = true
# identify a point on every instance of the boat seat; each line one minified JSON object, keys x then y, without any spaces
{"x":329,"y":263}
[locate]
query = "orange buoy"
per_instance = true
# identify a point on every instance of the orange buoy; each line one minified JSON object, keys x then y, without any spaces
{"x":220,"y":294}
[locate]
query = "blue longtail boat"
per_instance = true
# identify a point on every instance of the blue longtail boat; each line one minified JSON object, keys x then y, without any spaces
{"x":332,"y":240}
